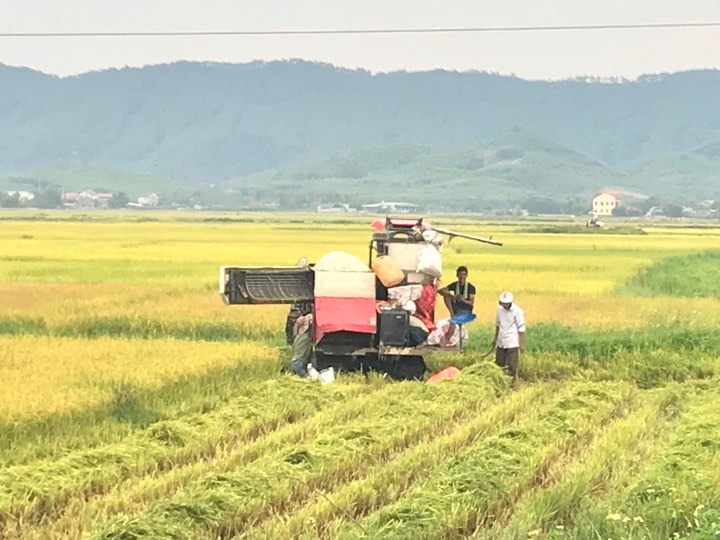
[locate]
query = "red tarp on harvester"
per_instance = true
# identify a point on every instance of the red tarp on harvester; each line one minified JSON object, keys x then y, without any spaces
{"x":344,"y":315}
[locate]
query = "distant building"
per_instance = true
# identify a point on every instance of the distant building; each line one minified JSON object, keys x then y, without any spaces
{"x":69,"y":199}
{"x":604,"y":204}
{"x":399,"y":207}
{"x":335,"y":208}
{"x":148,"y":201}
{"x":607,"y":200}
{"x":86,"y":199}
{"x":103,"y":199}
{"x":22,"y":196}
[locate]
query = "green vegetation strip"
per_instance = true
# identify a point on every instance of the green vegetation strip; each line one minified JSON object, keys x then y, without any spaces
{"x":650,"y":369}
{"x":546,"y":337}
{"x":620,"y":449}
{"x":225,"y":504}
{"x":602,"y":343}
{"x":577,"y":228}
{"x":138,"y":327}
{"x":645,"y":369}
{"x":466,"y":493}
{"x":678,"y":493}
{"x":694,"y":275}
{"x":41,"y":489}
{"x":324,"y":516}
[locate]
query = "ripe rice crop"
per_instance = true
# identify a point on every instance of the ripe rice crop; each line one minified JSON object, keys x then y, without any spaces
{"x":135,"y":404}
{"x":44,"y":375}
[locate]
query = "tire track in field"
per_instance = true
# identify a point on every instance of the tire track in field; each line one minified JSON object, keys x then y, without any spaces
{"x":619,"y":448}
{"x":391,"y":479}
{"x":672,"y":488}
{"x":24,"y":498}
{"x":137,"y":494}
{"x":328,"y":458}
{"x":549,"y":470}
{"x":455,"y":502}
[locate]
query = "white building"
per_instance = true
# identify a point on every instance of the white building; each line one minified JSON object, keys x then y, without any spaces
{"x":23,"y":196}
{"x":604,"y":204}
{"x":150,"y":200}
{"x":86,"y":199}
{"x":395,"y":207}
{"x":335,"y":208}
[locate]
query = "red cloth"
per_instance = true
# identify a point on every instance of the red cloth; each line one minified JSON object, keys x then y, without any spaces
{"x":425,"y":306}
{"x":444,"y":375}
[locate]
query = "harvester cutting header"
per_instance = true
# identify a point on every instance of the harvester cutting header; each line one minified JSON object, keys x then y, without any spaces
{"x":362,"y":315}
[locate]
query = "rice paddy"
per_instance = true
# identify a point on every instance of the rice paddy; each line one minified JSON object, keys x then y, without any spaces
{"x":134,"y":404}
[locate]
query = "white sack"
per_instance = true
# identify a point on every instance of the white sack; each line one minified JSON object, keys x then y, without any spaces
{"x":430,"y":261}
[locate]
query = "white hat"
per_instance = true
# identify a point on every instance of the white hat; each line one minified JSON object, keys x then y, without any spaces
{"x":506,"y":297}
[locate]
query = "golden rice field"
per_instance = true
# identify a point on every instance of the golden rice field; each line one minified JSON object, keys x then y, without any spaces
{"x":134,"y":404}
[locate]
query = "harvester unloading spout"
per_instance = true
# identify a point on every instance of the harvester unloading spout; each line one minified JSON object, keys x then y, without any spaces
{"x":453,"y":234}
{"x":391,"y":224}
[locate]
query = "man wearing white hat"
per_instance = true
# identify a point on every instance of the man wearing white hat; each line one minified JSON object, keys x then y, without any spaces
{"x":509,"y":340}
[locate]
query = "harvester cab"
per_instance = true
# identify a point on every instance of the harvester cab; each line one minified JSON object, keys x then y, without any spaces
{"x":343,"y":293}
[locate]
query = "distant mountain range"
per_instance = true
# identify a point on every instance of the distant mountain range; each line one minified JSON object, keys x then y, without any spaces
{"x":302,"y":133}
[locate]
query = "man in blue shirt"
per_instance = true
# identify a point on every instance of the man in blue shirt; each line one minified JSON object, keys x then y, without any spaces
{"x":459,"y":296}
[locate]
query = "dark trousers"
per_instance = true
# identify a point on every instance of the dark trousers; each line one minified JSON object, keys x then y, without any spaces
{"x":301,"y":353}
{"x":508,"y":359}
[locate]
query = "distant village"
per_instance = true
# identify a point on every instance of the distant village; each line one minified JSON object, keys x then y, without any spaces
{"x":93,"y":199}
{"x":623,"y":203}
{"x":87,"y":199}
{"x":608,"y":202}
{"x":381,"y":207}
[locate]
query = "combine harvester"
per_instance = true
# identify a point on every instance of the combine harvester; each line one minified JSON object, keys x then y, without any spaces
{"x":342,"y":292}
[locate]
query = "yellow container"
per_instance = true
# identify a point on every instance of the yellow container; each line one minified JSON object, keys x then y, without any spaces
{"x":388,"y":271}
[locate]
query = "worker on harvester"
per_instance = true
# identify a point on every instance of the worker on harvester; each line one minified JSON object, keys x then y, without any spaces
{"x":459,"y":296}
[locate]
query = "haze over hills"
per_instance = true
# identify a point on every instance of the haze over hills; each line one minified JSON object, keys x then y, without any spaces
{"x":303,"y":133}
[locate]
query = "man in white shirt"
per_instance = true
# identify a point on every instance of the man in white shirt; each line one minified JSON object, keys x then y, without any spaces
{"x":509,"y":340}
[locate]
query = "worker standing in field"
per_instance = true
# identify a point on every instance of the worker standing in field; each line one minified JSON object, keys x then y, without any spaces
{"x":302,"y":345}
{"x":459,"y":296}
{"x":509,"y":340}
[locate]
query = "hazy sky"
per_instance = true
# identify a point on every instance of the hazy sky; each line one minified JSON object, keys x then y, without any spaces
{"x":532,"y":55}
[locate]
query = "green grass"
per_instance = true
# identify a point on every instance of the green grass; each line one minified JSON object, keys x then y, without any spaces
{"x":692,"y":276}
{"x":141,"y":328}
{"x":580,"y":228}
{"x":583,"y":343}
